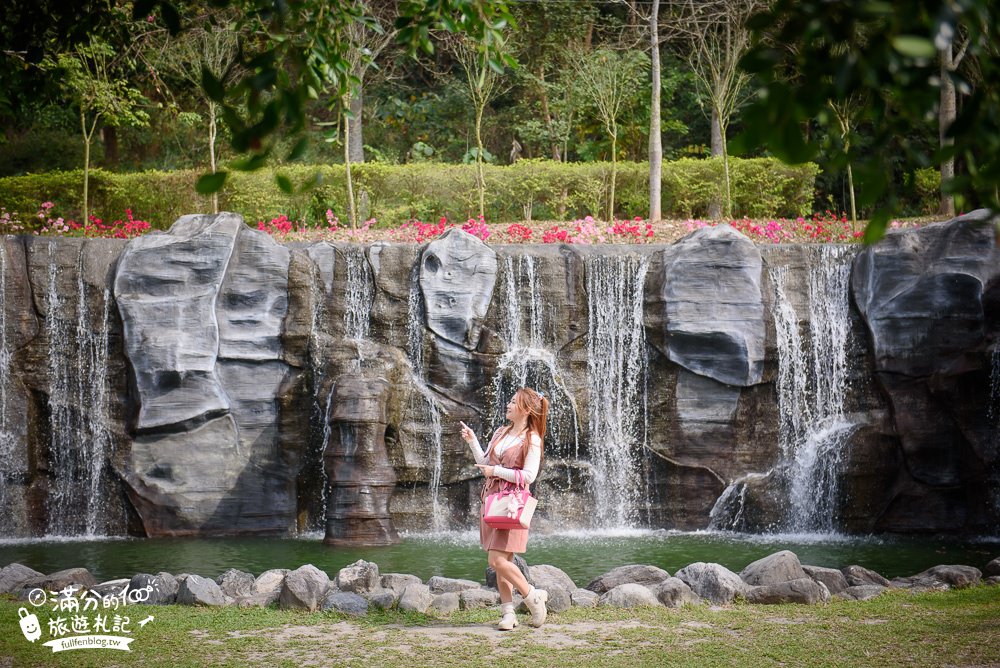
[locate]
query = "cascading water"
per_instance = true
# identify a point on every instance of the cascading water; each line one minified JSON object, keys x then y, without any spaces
{"x":360,"y":294}
{"x":616,"y":368}
{"x":415,"y":353}
{"x":812,"y":386}
{"x":78,"y":409}
{"x":529,"y":360}
{"x":9,"y":462}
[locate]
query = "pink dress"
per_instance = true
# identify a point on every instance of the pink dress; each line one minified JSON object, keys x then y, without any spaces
{"x":504,"y":540}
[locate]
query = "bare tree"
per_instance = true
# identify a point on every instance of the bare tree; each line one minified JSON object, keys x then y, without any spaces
{"x":608,"y":79}
{"x":655,"y":116}
{"x":846,"y":111}
{"x":711,"y":36}
{"x":211,"y":43}
{"x":482,"y":84}
{"x":946,"y":116}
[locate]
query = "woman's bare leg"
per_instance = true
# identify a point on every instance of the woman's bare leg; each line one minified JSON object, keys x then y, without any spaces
{"x":503,"y":564}
{"x":506,"y":593}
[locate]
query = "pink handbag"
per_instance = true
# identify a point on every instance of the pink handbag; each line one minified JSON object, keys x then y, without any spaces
{"x":510,"y":508}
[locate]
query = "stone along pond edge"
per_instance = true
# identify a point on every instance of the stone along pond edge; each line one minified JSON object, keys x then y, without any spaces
{"x":360,"y":587}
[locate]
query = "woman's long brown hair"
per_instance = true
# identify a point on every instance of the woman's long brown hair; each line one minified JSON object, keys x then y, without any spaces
{"x":536,"y":407}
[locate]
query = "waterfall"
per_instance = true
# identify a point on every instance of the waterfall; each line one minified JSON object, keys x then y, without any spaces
{"x":10,"y":463}
{"x":80,"y":437}
{"x":812,"y":386}
{"x":728,"y":511}
{"x":415,"y":323}
{"x":360,"y":293}
{"x":616,"y":368}
{"x":529,"y":360}
{"x":993,"y":410}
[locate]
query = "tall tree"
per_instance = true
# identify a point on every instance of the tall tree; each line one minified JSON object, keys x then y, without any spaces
{"x":211,"y":45}
{"x":307,"y":53}
{"x":609,"y":78}
{"x":711,"y":36}
{"x":94,"y":82}
{"x":482,"y":84}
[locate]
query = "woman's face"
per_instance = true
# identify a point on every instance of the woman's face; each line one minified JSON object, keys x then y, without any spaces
{"x":513,"y":412}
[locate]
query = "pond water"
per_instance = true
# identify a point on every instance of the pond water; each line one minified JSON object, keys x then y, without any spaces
{"x":582,"y":555}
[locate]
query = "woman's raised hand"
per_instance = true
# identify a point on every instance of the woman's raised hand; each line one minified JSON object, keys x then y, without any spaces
{"x":467,"y":434}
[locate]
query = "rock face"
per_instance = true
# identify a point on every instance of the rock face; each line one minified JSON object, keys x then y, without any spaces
{"x":930,"y":300}
{"x":457,"y":275}
{"x":202,"y":312}
{"x":714,"y":307}
{"x":228,"y":384}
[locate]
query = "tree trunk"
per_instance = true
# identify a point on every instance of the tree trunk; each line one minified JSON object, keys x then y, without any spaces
{"x":480,"y":177}
{"x":655,"y":136}
{"x":729,"y":191}
{"x":850,"y":191}
{"x":347,"y":169}
{"x":357,"y":138}
{"x":212,"y":133}
{"x":945,"y":119}
{"x":614,"y":172}
{"x":718,"y":151}
{"x":544,"y":99}
{"x":718,"y":143}
{"x":86,"y":165}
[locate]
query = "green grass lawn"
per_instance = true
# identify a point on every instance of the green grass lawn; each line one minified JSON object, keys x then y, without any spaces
{"x":955,"y":628}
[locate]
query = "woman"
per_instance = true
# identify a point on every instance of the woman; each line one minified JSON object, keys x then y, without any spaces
{"x":517,"y":445}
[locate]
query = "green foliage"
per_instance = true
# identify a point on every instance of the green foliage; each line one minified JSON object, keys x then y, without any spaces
{"x":887,"y":52}
{"x":542,"y":188}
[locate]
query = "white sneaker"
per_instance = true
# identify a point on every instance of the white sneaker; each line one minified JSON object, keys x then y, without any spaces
{"x":535,"y":600}
{"x":508,"y":620}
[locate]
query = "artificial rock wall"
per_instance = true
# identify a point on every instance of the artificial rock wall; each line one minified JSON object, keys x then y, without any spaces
{"x":211,"y":381}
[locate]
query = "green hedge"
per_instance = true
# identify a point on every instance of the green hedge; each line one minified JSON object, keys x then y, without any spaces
{"x":548,"y":190}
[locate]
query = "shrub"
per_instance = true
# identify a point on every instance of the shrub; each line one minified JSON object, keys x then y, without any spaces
{"x":423,"y":191}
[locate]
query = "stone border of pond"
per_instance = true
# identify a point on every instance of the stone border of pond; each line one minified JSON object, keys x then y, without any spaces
{"x":359,"y":587}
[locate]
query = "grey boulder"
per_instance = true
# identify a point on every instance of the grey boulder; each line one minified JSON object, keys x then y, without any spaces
{"x":474,"y":599}
{"x":584,"y":598}
{"x":859,"y":575}
{"x":270,"y":581}
{"x":161,"y":589}
{"x":992,"y":568}
{"x":359,"y":577}
{"x":111,"y":587}
{"x":346,"y":602}
{"x":79,"y":577}
{"x":196,"y":590}
{"x":773,"y":569}
{"x":548,"y":577}
{"x":632,"y":574}
{"x":714,"y":307}
{"x":416,"y":598}
{"x":445,"y":604}
{"x":440,"y":585}
{"x":831,"y":577}
{"x":236,"y":583}
{"x":629,"y":595}
{"x":457,"y":275}
{"x":801,"y":590}
{"x":713,"y":582}
{"x":383,"y":599}
{"x":305,"y":588}
{"x":13,"y":576}
{"x":673,"y":593}
{"x":941,"y":577}
{"x":398,"y":582}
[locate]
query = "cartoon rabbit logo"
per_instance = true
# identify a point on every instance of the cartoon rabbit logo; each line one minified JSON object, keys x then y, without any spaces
{"x":29,"y":625}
